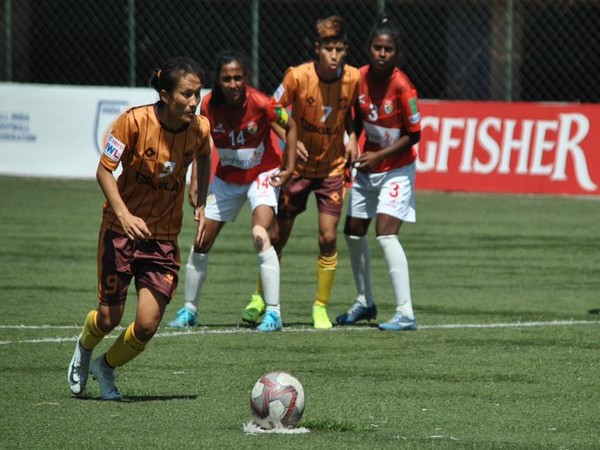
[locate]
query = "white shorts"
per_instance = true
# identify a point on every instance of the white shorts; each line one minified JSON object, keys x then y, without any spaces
{"x":391,"y":193}
{"x":225,"y":200}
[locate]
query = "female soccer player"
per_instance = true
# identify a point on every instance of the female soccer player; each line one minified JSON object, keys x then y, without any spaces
{"x":142,"y":216}
{"x":320,"y":94}
{"x":250,"y":169}
{"x":387,"y":110}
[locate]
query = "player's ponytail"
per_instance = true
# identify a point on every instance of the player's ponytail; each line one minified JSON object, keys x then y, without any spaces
{"x":386,"y":25}
{"x":167,"y":76}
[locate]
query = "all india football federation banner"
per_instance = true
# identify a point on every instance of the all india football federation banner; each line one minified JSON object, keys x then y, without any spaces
{"x":537,"y":148}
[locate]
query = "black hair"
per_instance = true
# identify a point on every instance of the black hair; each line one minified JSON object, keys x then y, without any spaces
{"x":223,"y":58}
{"x":170,"y":72}
{"x":386,"y":25}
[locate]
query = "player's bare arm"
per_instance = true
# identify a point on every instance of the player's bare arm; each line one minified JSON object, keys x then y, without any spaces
{"x":370,"y":160}
{"x":291,"y":143}
{"x":193,"y":191}
{"x":133,"y":226}
{"x":352,"y":145}
{"x":203,"y":166}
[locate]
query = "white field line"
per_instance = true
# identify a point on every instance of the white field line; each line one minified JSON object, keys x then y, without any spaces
{"x":304,"y":329}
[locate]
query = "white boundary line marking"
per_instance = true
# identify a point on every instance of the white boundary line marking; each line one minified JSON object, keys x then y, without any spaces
{"x":306,"y":329}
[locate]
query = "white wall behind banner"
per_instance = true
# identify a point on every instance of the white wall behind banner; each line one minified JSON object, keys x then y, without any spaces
{"x":57,"y":131}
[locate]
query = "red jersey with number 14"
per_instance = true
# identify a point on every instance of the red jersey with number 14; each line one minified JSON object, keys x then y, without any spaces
{"x":388,"y":110}
{"x":242,"y":136}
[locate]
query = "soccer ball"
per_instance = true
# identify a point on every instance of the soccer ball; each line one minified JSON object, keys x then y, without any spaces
{"x":277,"y":401}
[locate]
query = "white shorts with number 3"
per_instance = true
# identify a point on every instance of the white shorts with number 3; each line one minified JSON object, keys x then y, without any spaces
{"x":391,"y":193}
{"x":225,"y":200}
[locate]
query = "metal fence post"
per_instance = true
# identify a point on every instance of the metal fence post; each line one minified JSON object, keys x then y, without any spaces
{"x":131,"y":42}
{"x":255,"y":42}
{"x":8,"y":38}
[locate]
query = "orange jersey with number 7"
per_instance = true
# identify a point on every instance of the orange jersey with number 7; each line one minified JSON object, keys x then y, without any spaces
{"x":320,"y":109}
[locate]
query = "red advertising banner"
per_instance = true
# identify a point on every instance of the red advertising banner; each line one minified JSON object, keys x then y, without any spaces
{"x":546,"y":148}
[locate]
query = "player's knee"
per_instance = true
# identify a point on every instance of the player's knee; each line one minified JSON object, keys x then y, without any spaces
{"x":260,"y":237}
{"x":144,"y":330}
{"x":327,"y":239}
{"x":107,"y":322}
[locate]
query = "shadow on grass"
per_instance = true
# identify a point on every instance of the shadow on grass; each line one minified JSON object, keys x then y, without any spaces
{"x":143,"y":398}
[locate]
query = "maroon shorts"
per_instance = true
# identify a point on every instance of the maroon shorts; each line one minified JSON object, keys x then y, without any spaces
{"x":154,"y":264}
{"x":329,"y":193}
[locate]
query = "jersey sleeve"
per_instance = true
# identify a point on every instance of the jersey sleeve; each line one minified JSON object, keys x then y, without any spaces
{"x":411,"y":115}
{"x":118,"y":143}
{"x":285,"y":93}
{"x":278,"y":114}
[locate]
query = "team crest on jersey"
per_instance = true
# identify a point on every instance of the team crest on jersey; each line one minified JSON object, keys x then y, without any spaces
{"x":388,"y":106}
{"x":310,"y":101}
{"x":114,"y":148}
{"x":168,"y":169}
{"x":149,"y":152}
{"x":252,"y":127}
{"x":362,"y":99}
{"x":219,"y":128}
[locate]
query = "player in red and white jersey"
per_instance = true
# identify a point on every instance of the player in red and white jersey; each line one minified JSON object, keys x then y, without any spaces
{"x":154,"y":144}
{"x":387,"y":111}
{"x":250,"y":169}
{"x":320,"y":94}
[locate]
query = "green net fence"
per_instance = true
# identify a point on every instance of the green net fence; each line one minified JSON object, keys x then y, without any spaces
{"x":525,"y":50}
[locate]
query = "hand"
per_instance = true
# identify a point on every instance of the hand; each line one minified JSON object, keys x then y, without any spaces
{"x":134,"y":227}
{"x":301,"y":152}
{"x":367,"y":161}
{"x":280,"y":178}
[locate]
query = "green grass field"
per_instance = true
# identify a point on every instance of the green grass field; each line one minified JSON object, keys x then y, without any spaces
{"x":507,"y":355}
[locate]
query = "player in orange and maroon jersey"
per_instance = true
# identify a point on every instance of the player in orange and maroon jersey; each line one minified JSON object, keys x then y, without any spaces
{"x":249,"y":170}
{"x":384,"y":186}
{"x":142,"y":217}
{"x":320,"y":94}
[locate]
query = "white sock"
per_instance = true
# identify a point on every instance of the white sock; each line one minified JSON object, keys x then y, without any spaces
{"x":268,"y":268}
{"x":395,"y":259}
{"x":360,"y":260}
{"x":196,"y":270}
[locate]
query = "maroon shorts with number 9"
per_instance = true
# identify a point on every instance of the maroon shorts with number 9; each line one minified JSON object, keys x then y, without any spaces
{"x":154,"y":264}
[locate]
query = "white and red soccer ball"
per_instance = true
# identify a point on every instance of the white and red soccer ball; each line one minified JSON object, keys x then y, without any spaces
{"x":277,"y":401}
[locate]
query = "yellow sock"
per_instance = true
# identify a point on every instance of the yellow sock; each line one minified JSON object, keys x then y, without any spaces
{"x":125,"y":348}
{"x":325,"y":275}
{"x":91,"y":334}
